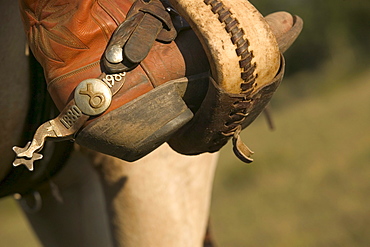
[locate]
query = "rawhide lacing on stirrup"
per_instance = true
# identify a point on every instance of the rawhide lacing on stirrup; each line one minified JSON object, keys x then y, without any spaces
{"x":246,"y":68}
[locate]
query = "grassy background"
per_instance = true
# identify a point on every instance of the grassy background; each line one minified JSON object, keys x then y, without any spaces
{"x":14,"y":229}
{"x":310,"y":182}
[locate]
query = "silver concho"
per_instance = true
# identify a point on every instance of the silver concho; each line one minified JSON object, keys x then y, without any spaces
{"x":93,"y":96}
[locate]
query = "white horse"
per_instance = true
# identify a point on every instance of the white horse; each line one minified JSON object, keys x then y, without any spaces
{"x":97,"y":200}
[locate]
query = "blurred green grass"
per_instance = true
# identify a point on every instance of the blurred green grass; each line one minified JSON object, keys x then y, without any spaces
{"x":309,"y":184}
{"x":14,"y":229}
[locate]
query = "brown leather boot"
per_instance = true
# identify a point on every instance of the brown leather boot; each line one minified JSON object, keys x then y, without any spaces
{"x":69,"y":39}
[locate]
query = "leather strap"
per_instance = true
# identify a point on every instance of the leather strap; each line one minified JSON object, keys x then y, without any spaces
{"x":146,"y":22}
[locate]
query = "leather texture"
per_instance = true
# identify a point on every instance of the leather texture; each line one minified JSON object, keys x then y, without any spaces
{"x":222,"y":116}
{"x":69,"y":38}
{"x":133,"y":39}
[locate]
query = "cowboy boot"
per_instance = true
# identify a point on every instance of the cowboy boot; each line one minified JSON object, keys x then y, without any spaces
{"x":139,"y":105}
